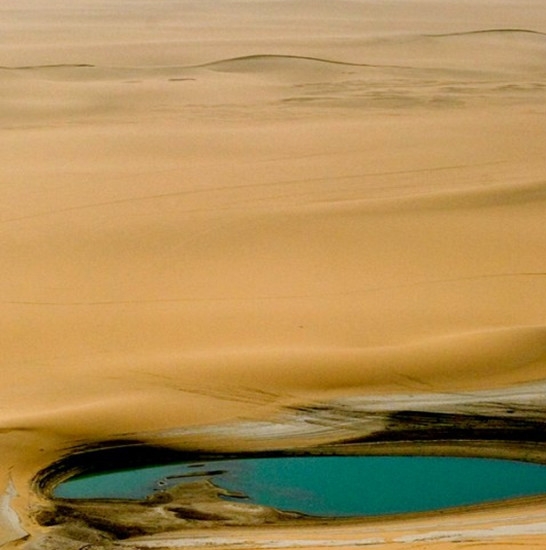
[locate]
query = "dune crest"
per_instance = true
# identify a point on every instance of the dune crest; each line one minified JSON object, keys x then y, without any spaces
{"x":489,"y":31}
{"x":239,"y":64}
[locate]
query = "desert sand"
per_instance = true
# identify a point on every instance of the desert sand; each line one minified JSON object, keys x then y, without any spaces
{"x":219,"y":216}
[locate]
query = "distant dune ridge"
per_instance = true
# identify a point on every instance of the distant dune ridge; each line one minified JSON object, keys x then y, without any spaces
{"x":218,"y":214}
{"x":489,"y":66}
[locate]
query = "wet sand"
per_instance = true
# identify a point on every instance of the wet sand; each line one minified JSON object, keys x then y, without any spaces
{"x":216,"y":214}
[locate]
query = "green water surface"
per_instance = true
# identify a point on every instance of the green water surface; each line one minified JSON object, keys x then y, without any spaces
{"x":333,"y":486}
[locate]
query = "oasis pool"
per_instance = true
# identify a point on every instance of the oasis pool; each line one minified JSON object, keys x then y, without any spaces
{"x":332,"y":486}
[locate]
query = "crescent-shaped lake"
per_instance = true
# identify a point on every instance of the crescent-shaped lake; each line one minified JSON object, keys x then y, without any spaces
{"x":338,"y":486}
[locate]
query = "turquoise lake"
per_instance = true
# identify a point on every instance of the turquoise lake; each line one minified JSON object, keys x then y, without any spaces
{"x":333,"y":486}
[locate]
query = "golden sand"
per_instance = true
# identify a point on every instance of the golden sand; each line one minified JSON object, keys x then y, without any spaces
{"x":213,"y":210}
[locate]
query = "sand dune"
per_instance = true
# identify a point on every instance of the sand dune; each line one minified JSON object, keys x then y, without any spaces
{"x":216,"y":213}
{"x":477,"y":68}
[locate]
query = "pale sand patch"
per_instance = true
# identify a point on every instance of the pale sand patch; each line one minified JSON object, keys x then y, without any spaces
{"x":214,"y":210}
{"x":10,"y":525}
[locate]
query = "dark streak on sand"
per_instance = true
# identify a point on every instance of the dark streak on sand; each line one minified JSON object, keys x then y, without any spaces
{"x":56,"y":66}
{"x":487,"y":31}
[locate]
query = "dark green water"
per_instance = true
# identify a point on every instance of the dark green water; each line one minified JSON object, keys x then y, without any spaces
{"x":334,"y":486}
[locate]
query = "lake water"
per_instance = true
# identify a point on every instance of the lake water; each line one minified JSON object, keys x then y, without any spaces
{"x":333,"y":486}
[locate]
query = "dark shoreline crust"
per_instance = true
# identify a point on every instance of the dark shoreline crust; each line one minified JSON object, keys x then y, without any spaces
{"x":496,"y":431}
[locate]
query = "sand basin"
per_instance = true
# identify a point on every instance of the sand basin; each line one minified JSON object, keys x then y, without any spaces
{"x":271,"y":226}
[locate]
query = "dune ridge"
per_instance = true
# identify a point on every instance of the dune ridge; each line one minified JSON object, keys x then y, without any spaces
{"x":54,"y":66}
{"x":489,"y":31}
{"x":261,"y":62}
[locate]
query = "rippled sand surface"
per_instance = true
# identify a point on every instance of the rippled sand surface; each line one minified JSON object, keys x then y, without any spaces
{"x":214,"y":211}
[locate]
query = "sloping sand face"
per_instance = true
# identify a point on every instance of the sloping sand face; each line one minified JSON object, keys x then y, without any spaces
{"x":215,"y":211}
